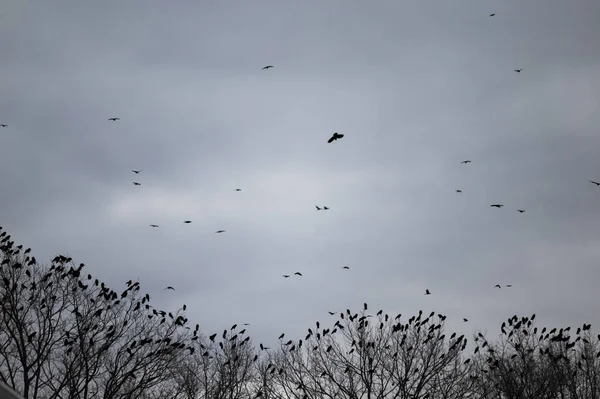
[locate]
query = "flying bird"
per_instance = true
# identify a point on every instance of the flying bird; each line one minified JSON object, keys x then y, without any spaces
{"x":286,"y":276}
{"x":346,"y":267}
{"x":520,"y":210}
{"x":325,"y":208}
{"x":136,"y":183}
{"x":153,"y":225}
{"x":458,"y":191}
{"x":491,"y":15}
{"x":465,"y":320}
{"x":497,"y":205}
{"x":267,"y":67}
{"x":318,"y":209}
{"x":238,"y":189}
{"x":331,"y":313}
{"x":3,"y":125}
{"x":298,"y":274}
{"x":219,"y":231}
{"x":187,"y":221}
{"x":518,"y":70}
{"x":427,"y":292}
{"x":467,"y":161}
{"x":137,"y":171}
{"x":509,"y":285}
{"x":335,"y":136}
{"x":595,"y":182}
{"x":114,"y":119}
{"x":170,"y":288}
{"x":497,"y":286}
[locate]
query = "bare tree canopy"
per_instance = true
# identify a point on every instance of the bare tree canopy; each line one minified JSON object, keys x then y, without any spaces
{"x":65,"y":334}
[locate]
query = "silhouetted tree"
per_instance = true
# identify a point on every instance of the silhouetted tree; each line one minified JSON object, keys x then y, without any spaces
{"x":361,"y":356}
{"x":64,"y":335}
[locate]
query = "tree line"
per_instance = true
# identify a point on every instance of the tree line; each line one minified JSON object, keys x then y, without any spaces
{"x":65,"y":334}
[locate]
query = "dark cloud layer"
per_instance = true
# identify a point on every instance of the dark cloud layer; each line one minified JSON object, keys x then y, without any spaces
{"x":415,"y":87}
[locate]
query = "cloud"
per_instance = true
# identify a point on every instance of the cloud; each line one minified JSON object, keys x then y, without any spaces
{"x":415,"y":89}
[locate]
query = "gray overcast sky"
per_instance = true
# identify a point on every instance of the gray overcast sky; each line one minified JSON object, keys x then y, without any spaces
{"x":415,"y":86}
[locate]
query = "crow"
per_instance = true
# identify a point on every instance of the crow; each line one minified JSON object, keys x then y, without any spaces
{"x":346,"y":267}
{"x":238,"y":189}
{"x":427,"y":292}
{"x":520,"y":210}
{"x":3,"y":125}
{"x":219,"y":231}
{"x":153,"y":225}
{"x":497,"y":206}
{"x":286,"y":276}
{"x":170,"y":288}
{"x":595,"y":182}
{"x":458,"y":191}
{"x":114,"y":119}
{"x":325,"y":208}
{"x":137,"y":171}
{"x":318,"y":209}
{"x":497,"y":286}
{"x":136,"y":183}
{"x":509,"y":285}
{"x":467,"y":161}
{"x":335,"y":136}
{"x":331,"y":313}
{"x":298,"y":274}
{"x":465,"y":320}
{"x":267,"y":67}
{"x":518,"y":70}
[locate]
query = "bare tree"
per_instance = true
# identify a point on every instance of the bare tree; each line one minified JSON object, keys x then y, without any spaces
{"x":63,"y":335}
{"x":361,"y":356}
{"x":527,"y":362}
{"x":220,"y":368}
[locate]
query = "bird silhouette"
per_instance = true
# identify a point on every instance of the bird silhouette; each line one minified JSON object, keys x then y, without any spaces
{"x":298,"y":274}
{"x":465,"y":320}
{"x":346,"y":267}
{"x":187,"y":221}
{"x":136,"y":183}
{"x":137,"y":171}
{"x":170,"y":288}
{"x":318,"y":209}
{"x":497,"y":206}
{"x":427,"y":292}
{"x":509,"y":285}
{"x":335,"y":136}
{"x":518,"y":70}
{"x":467,"y":161}
{"x":114,"y":119}
{"x":153,"y":225}
{"x":595,"y":182}
{"x":520,"y":210}
{"x":267,"y":67}
{"x":325,"y":208}
{"x":491,"y":15}
{"x":458,"y":191}
{"x":331,"y":313}
{"x":219,"y":231}
{"x":286,"y":276}
{"x":238,"y":189}
{"x":497,"y":286}
{"x":3,"y":125}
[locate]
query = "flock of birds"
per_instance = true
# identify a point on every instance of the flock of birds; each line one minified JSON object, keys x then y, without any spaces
{"x":335,"y":136}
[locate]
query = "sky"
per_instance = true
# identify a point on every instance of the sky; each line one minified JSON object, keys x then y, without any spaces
{"x":416,"y":87}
